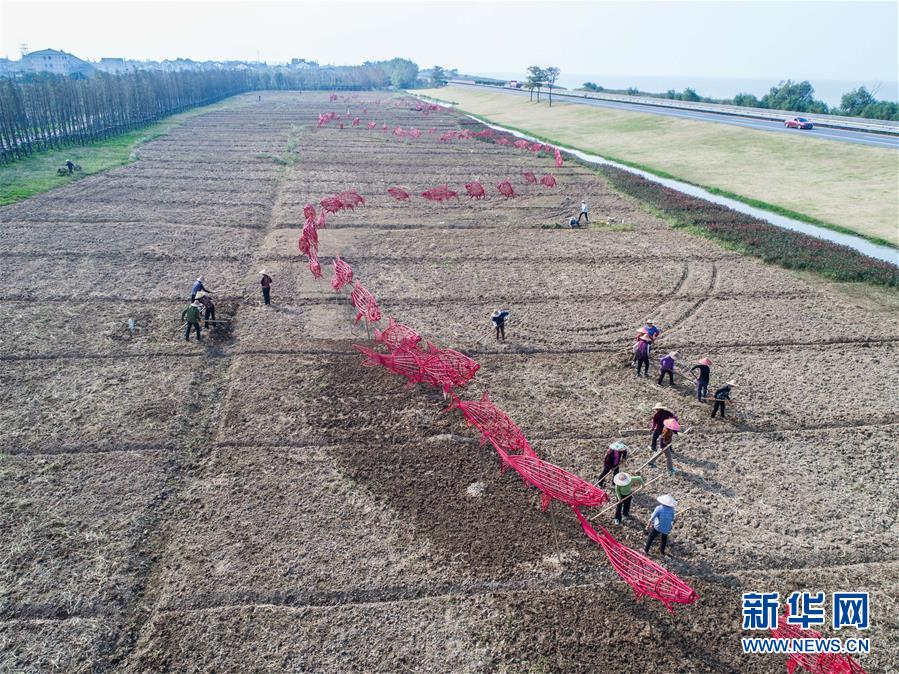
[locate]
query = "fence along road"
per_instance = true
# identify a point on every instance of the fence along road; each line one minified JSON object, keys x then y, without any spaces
{"x":843,"y":129}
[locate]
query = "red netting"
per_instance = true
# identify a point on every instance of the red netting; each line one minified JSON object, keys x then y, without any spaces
{"x":356,"y":121}
{"x":821,"y":663}
{"x":557,"y":483}
{"x":433,"y":129}
{"x":308,"y":243}
{"x":558,"y":158}
{"x":343,"y":274}
{"x":398,"y":193}
{"x":441,"y":193}
{"x":384,"y":126}
{"x":505,"y":188}
{"x":314,"y":266}
{"x":308,"y":211}
{"x":332,"y":97}
{"x":503,"y":141}
{"x":322,"y":220}
{"x":398,"y":132}
{"x":371,"y":125}
{"x":396,"y":335}
{"x":325,"y":118}
{"x":351,"y":199}
{"x":365,"y":303}
{"x":402,"y":362}
{"x":535,"y":147}
{"x":331,"y":204}
{"x":643,"y":575}
{"x":495,"y":426}
{"x":529,"y":178}
{"x":448,"y":136}
{"x":475,"y":190}
{"x":485,"y":133}
{"x":521,"y":144}
{"x":414,"y":133}
{"x":548,"y":180}
{"x":462,"y":367}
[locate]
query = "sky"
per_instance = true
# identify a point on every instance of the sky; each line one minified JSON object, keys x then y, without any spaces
{"x":799,"y":40}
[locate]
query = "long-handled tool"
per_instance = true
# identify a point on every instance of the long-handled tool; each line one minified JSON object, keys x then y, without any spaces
{"x":636,"y":491}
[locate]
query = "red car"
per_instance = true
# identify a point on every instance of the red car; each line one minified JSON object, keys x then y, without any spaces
{"x":798,"y":123}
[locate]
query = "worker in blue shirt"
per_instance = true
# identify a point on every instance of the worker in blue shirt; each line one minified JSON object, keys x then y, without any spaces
{"x":660,"y":522}
{"x":197,"y":287}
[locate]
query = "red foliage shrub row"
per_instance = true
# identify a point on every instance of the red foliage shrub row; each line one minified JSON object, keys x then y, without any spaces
{"x":786,"y":248}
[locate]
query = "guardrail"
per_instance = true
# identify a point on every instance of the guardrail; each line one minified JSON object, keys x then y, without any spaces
{"x":828,"y":121}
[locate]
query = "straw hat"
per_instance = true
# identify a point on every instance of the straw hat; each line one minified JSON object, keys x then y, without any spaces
{"x":622,"y":479}
{"x":262,"y":271}
{"x":618,"y":446}
{"x":705,"y":361}
{"x":201,"y":278}
{"x":495,"y":314}
{"x":667,"y":500}
{"x":649,"y":322}
{"x":731,"y":383}
{"x":672,"y":354}
{"x":201,"y":293}
{"x":196,"y":303}
{"x":660,"y":406}
{"x":646,"y":338}
{"x":671,"y":424}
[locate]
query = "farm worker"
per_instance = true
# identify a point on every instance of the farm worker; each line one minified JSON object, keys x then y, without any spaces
{"x":498,"y":319}
{"x":641,"y":354}
{"x":197,"y":287}
{"x":659,"y":415}
{"x":583,"y":213}
{"x":614,"y":457}
{"x":721,"y":395}
{"x":191,"y":316}
{"x":624,"y":484}
{"x":266,"y":282}
{"x":70,"y":166}
{"x":666,"y":366}
{"x":209,"y":307}
{"x":660,"y":522}
{"x":651,"y":330}
{"x":702,"y":382}
{"x":669,"y":428}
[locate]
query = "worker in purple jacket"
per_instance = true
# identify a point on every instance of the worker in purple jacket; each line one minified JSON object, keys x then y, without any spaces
{"x":666,"y":366}
{"x":614,"y":457}
{"x":641,"y":354}
{"x":657,"y":423}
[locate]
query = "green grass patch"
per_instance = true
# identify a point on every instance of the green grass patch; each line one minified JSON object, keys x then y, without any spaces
{"x":839,"y":186}
{"x":36,"y":174}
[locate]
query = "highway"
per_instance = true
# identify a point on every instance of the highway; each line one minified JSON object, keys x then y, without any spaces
{"x":840,"y":135}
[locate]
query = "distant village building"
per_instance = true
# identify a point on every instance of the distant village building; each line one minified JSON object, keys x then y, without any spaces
{"x":8,"y":67}
{"x":113,"y":66}
{"x":53,"y":61}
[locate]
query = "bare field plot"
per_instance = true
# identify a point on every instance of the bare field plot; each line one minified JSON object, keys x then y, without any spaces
{"x":263,"y":501}
{"x":75,"y":523}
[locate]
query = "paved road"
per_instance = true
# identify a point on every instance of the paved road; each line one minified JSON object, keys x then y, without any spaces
{"x":859,"y":137}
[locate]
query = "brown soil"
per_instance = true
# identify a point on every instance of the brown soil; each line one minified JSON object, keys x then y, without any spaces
{"x":264,"y":502}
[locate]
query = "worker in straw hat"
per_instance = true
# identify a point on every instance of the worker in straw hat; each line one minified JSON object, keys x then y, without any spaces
{"x":702,"y":381}
{"x":624,"y":485}
{"x":721,"y":395}
{"x":198,"y":286}
{"x":660,"y":522}
{"x":669,"y":428}
{"x":615,"y":456}
{"x":641,"y":353}
{"x":266,"y":282}
{"x":498,"y":320}
{"x":191,"y":317}
{"x":659,"y":414}
{"x":205,"y":299}
{"x":666,"y":366}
